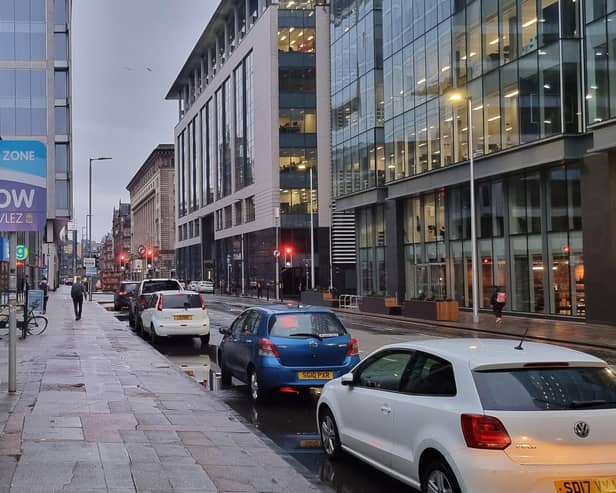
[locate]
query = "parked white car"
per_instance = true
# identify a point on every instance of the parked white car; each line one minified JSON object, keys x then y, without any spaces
{"x":205,"y":287}
{"x":176,"y":313}
{"x":478,"y":416}
{"x":193,"y":286}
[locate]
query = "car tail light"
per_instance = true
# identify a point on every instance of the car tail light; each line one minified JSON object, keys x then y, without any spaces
{"x":353,"y":349}
{"x":484,"y":432}
{"x":159,"y":307}
{"x":121,"y":293}
{"x":203,"y":305}
{"x":268,"y":348}
{"x":142,"y":301}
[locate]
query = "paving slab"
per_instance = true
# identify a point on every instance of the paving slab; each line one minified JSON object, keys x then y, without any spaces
{"x":98,"y":410}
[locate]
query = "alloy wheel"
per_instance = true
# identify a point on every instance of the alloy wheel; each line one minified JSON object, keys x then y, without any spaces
{"x":438,"y":482}
{"x":328,"y":435}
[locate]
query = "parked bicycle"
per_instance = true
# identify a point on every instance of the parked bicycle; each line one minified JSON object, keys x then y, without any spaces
{"x":35,"y":324}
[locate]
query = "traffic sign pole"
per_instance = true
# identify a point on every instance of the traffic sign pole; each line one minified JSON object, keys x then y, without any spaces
{"x":12,"y":314}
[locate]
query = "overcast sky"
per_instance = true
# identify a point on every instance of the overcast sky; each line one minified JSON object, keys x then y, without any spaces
{"x":125,"y":56}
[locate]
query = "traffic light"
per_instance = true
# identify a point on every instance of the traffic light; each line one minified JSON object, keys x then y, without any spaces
{"x":122,"y":260}
{"x":149,"y":257}
{"x":288,"y":255}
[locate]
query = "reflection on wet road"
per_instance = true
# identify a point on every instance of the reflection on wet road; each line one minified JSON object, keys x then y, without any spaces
{"x":289,"y":421}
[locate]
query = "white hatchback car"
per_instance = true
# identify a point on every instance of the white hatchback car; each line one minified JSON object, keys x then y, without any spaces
{"x":478,"y":416}
{"x":176,"y":313}
{"x":205,"y":287}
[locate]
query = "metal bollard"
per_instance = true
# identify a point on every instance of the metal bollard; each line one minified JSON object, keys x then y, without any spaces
{"x":215,"y":380}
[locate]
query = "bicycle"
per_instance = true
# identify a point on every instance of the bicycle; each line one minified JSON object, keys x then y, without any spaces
{"x":34,"y":324}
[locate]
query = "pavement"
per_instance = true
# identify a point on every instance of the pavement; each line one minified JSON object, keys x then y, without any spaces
{"x":99,"y":410}
{"x":555,"y":330}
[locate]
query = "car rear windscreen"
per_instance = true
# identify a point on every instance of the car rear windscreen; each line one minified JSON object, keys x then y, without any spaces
{"x":151,"y":287}
{"x":297,"y":324}
{"x":547,"y":389}
{"x":181,"y":301}
{"x":129,"y":287}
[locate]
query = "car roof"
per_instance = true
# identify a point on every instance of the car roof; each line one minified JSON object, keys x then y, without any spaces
{"x":480,"y":353}
{"x":161,"y":279}
{"x":168,"y":292}
{"x":292,"y":308}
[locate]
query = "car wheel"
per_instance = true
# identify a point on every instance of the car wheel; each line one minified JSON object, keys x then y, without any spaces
{"x":439,"y":478}
{"x":154,"y":338}
{"x":257,"y":393}
{"x":330,"y":439}
{"x":205,"y":343}
{"x":225,"y":373}
{"x":116,"y":307}
{"x":139,"y":328}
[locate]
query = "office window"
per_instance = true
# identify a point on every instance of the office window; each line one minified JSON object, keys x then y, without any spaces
{"x":62,"y":156}
{"x":238,"y":213}
{"x":296,"y":39}
{"x":61,"y":46}
{"x":250,"y":209}
{"x":597,"y":72}
{"x":62,"y":199}
{"x":61,"y":84}
{"x":228,"y":216}
{"x":60,"y":14}
{"x":509,"y":101}
{"x":61,"y":118}
{"x":297,"y":121}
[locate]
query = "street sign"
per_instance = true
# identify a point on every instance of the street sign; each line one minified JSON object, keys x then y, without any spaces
{"x":141,"y":250}
{"x":23,"y":185}
{"x":276,"y":253}
{"x":21,"y":252}
{"x":91,"y":272}
{"x":35,"y":300}
{"x":89,"y":262}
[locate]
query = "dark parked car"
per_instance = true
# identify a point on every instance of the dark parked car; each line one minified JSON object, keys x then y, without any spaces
{"x":286,"y":348}
{"x":123,"y":295}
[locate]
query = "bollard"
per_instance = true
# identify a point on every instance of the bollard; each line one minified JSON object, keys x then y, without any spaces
{"x":215,"y":380}
{"x":267,"y":293}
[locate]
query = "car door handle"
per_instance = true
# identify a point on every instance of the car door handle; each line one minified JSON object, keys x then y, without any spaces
{"x":385,"y":409}
{"x":247,"y":341}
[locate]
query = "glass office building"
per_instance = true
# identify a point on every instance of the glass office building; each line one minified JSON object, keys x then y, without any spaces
{"x":253,"y":127}
{"x":35,"y":104}
{"x":524,"y":86}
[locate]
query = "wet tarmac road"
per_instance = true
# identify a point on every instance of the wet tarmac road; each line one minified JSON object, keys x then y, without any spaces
{"x":289,"y":420}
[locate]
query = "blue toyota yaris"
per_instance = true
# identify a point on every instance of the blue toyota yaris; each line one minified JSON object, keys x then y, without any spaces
{"x":285,"y":348}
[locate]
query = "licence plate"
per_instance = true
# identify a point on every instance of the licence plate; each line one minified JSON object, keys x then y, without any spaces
{"x":315,"y":375}
{"x":605,"y":485}
{"x":182,"y":317}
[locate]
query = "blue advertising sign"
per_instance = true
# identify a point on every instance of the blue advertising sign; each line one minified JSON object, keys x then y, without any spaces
{"x":21,"y":252}
{"x":5,"y":250}
{"x":35,"y":300}
{"x":23,"y":185}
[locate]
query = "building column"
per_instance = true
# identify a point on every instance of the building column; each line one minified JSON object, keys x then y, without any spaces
{"x":210,"y":58}
{"x":203,"y":73}
{"x":261,"y":7}
{"x":217,"y":52}
{"x":236,"y":24}
{"x":394,"y":250}
{"x":599,"y":235}
{"x":248,"y":14}
{"x":226,"y":36}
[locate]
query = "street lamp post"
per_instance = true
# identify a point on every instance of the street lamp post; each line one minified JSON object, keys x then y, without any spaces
{"x":91,"y":287}
{"x":475,"y":278}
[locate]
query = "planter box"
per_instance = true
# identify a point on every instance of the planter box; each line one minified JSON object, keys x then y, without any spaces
{"x":432,"y":310}
{"x":376,"y":304}
{"x":316,"y":298}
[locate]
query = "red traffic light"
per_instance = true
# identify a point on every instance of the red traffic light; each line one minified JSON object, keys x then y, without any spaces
{"x":122,"y":258}
{"x":149,"y":253}
{"x":288,"y":250}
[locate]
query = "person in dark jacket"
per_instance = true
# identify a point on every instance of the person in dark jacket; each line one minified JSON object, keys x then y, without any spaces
{"x":498,"y":301}
{"x":77,"y":293}
{"x":43,"y":286}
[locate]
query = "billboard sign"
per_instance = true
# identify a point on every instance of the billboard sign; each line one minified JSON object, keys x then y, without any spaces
{"x":23,"y":185}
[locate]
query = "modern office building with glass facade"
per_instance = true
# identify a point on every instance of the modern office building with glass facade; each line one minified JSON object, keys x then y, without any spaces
{"x":540,"y":76}
{"x":253,"y":123}
{"x":35,"y":104}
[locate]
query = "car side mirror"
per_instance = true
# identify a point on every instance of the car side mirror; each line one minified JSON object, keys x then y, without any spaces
{"x":347,"y":379}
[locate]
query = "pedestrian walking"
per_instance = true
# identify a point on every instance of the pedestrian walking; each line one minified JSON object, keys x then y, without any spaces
{"x":44,"y":286}
{"x":498,"y":301}
{"x":77,"y":293}
{"x":259,"y":289}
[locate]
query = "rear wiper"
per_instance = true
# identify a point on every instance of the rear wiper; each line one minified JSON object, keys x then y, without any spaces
{"x":550,"y":403}
{"x":306,"y":334}
{"x":590,"y":403}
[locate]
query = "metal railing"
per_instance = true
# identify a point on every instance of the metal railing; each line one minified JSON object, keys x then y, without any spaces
{"x":349,"y":301}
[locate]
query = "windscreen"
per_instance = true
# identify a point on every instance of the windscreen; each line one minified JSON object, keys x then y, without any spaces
{"x":547,"y":389}
{"x":181,"y":301}
{"x":296,"y":324}
{"x":151,"y":287}
{"x":129,"y":287}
